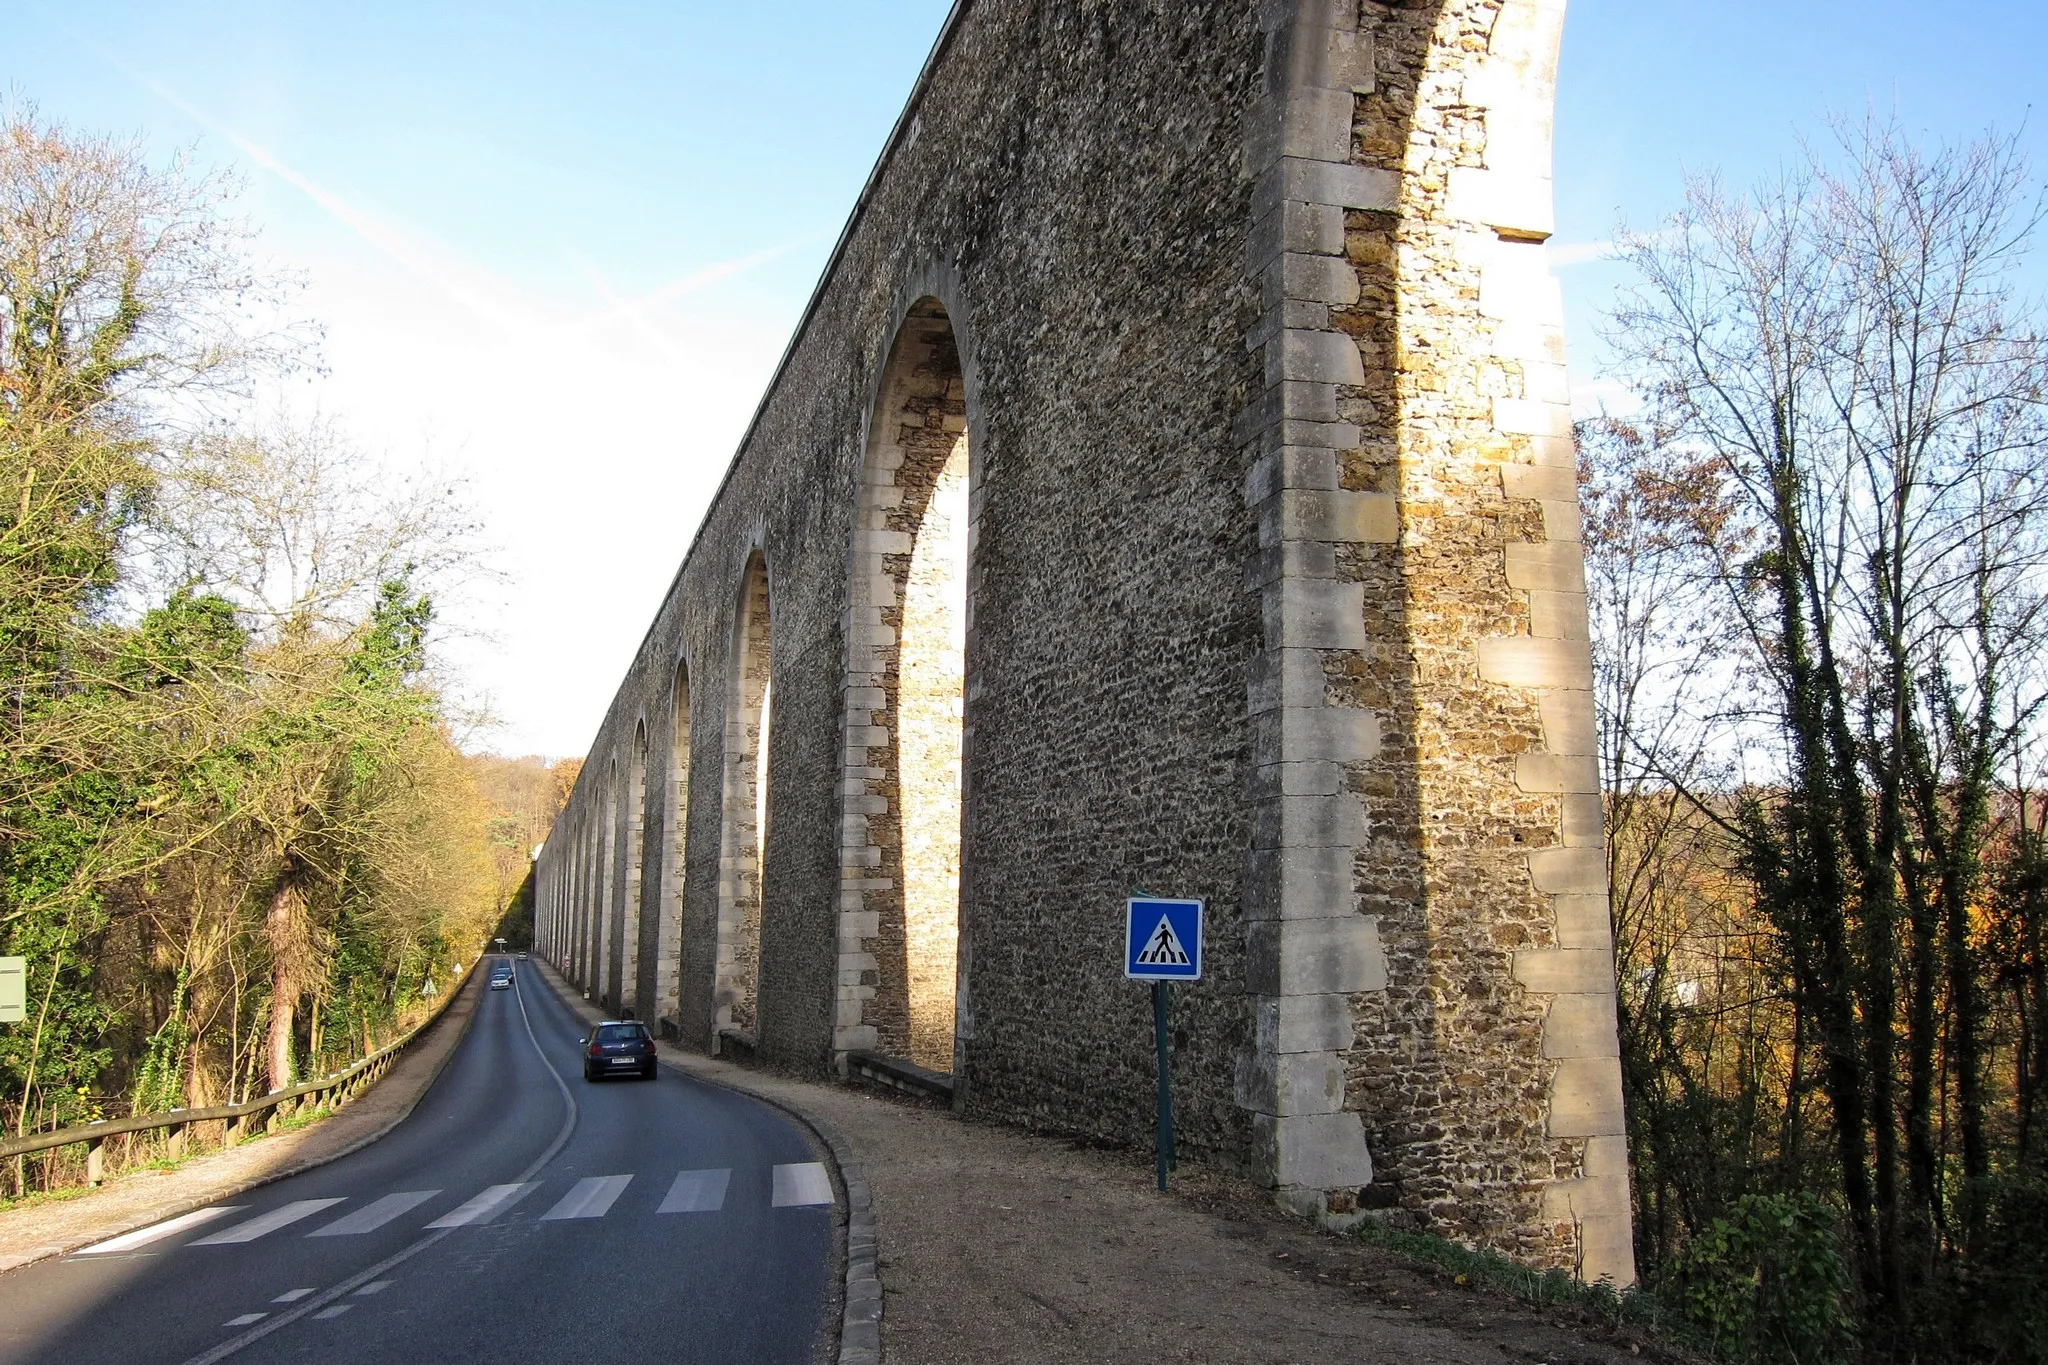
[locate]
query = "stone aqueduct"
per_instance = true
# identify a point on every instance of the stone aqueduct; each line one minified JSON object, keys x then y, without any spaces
{"x":1170,"y":486}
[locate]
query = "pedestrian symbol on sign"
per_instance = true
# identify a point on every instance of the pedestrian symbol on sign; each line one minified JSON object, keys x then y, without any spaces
{"x":1163,"y":948}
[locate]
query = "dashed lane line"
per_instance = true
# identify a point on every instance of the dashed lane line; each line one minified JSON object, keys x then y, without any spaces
{"x":293,"y":1295}
{"x":336,"y":1311}
{"x":361,"y":1278}
{"x":266,"y":1223}
{"x":245,"y":1319}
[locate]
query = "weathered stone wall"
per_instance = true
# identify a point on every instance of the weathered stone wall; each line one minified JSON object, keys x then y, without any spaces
{"x":1273,"y":597}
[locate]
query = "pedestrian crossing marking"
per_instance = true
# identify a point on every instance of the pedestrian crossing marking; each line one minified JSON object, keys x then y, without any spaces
{"x":1163,"y":949}
{"x":333,"y":1312}
{"x":486,"y":1206}
{"x":293,"y":1295}
{"x":591,"y":1197}
{"x":266,"y":1223}
{"x":801,"y":1184}
{"x":697,"y":1192}
{"x":373,"y":1216}
{"x":156,"y":1232}
{"x":245,"y":1319}
{"x":374,"y":1287}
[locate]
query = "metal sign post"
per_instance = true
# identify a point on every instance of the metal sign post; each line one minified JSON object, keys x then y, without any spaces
{"x":1163,"y":944}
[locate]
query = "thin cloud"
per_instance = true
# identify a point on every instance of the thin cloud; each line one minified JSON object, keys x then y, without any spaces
{"x":1563,"y":256}
{"x":474,"y":289}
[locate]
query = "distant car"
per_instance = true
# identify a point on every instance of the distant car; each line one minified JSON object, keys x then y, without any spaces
{"x":618,"y":1047}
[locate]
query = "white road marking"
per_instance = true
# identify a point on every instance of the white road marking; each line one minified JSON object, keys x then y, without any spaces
{"x":375,"y":1287}
{"x":486,"y":1206}
{"x":141,"y":1237}
{"x":245,"y":1319}
{"x":333,"y":1312}
{"x":234,"y":1344}
{"x":293,"y":1295}
{"x":373,"y":1216}
{"x":802,"y":1183}
{"x":269,"y":1222}
{"x":590,"y":1197}
{"x":697,"y":1192}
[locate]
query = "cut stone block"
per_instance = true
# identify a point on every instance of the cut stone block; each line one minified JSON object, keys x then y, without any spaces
{"x":1585,"y":1098}
{"x":1552,"y":566}
{"x":1538,"y":481}
{"x":1570,"y":870}
{"x":1524,"y":661}
{"x":1319,"y":357}
{"x":1335,"y":955}
{"x":1313,"y":1151}
{"x":1565,"y":971}
{"x":1314,"y":614}
{"x":1290,"y":1082}
{"x":1559,"y":616}
{"x":1556,"y":773}
{"x":1302,"y":1023}
{"x":1569,"y":724}
{"x":1581,"y":1026}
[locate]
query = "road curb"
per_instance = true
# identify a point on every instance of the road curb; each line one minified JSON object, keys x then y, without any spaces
{"x":860,"y":1320}
{"x":191,"y":1204}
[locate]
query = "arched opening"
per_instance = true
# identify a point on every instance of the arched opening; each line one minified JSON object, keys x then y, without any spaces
{"x":610,"y":941}
{"x":666,"y":1001}
{"x":906,"y":674}
{"x":746,"y":807}
{"x":633,"y":992}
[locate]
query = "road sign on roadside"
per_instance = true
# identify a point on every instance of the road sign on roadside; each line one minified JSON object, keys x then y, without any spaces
{"x":1163,"y":939}
{"x":13,"y":989}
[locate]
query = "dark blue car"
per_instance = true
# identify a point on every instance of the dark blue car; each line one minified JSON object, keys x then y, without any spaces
{"x":618,"y":1048}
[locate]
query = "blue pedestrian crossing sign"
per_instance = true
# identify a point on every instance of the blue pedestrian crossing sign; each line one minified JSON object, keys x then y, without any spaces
{"x":1163,"y":939}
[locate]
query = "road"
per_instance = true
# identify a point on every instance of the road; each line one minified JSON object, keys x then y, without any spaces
{"x":519,"y":1213}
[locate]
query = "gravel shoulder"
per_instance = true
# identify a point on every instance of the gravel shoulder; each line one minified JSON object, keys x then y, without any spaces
{"x":140,"y":1198}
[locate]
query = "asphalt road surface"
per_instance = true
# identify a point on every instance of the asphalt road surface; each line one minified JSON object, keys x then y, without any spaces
{"x":519,"y":1213}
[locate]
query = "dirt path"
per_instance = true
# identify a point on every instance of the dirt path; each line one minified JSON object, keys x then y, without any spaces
{"x":143,"y":1197}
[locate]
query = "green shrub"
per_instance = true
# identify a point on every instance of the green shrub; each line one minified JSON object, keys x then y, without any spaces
{"x":2007,"y":1269}
{"x":1768,"y":1283}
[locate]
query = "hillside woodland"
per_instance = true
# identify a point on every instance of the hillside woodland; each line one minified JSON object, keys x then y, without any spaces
{"x":1818,"y":567}
{"x":238,"y":841}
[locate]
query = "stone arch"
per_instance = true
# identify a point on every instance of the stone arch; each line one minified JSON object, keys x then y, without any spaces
{"x":611,"y":934}
{"x":665,"y":1002}
{"x":906,"y":692}
{"x":634,"y":990}
{"x":749,"y":703}
{"x":588,"y":891}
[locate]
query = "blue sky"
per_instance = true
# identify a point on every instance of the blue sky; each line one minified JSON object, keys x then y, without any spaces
{"x":562,"y":254}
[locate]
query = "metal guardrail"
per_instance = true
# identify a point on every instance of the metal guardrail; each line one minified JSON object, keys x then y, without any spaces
{"x":240,"y":1118}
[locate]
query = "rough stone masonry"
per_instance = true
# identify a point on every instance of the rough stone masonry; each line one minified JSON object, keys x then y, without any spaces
{"x":1169,"y":487}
